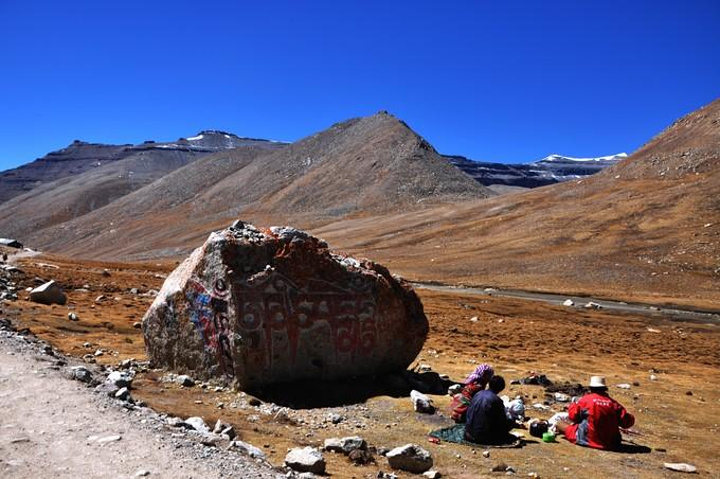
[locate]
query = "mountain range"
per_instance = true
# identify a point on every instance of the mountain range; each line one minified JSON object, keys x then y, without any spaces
{"x":645,"y":226}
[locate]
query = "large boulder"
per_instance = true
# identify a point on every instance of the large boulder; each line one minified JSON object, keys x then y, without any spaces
{"x":48,"y":293}
{"x":260,"y":306}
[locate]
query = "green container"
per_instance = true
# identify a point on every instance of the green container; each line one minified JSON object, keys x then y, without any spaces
{"x":548,"y":437}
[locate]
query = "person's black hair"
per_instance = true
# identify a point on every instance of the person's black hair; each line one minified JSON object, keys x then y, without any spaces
{"x":496,"y":384}
{"x":598,"y":390}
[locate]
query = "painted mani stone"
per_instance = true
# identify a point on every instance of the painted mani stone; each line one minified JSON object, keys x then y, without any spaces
{"x":259,"y":306}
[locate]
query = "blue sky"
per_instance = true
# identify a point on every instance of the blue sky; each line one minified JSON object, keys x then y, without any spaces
{"x":495,"y":81}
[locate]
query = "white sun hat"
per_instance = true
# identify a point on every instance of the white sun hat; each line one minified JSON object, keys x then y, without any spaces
{"x":597,"y":382}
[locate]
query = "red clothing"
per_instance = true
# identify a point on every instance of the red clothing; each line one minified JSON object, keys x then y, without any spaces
{"x":461,"y":401}
{"x":597,"y":419}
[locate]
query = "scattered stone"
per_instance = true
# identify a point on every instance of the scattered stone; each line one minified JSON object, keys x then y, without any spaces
{"x":335,"y":418}
{"x":345,"y":445}
{"x":98,"y":353}
{"x":474,"y":319}
{"x":105,"y":273}
{"x":248,"y":449}
{"x":486,"y":454}
{"x":306,"y":459}
{"x":624,"y":386}
{"x":501,"y":467}
{"x":137,"y":325}
{"x":108,"y":388}
{"x":421,"y":402}
{"x":568,"y":302}
{"x":361,"y":456}
{"x":121,"y":379}
{"x":318,"y":287}
{"x":688,"y":393}
{"x":82,"y":374}
{"x":185,"y":380}
{"x":592,"y":305}
{"x":653,"y":377}
{"x":48,"y":293}
{"x":198,"y":424}
{"x":123,"y":394}
{"x":560,"y":397}
{"x":108,"y":439}
{"x":411,"y":458}
{"x":432,"y":474}
{"x":254,"y":401}
{"x":224,"y":429}
{"x":100,"y":298}
{"x":142,"y":473}
{"x":133,"y":291}
{"x":681,"y":467}
{"x":73,"y":317}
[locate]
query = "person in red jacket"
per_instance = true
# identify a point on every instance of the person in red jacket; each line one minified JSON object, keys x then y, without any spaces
{"x":597,"y":419}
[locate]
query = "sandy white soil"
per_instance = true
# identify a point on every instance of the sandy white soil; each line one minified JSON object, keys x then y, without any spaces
{"x":51,"y":426}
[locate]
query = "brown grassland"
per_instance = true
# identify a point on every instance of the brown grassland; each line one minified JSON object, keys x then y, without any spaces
{"x":676,"y":414}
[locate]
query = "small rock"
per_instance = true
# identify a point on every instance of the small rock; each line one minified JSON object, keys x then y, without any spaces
{"x":254,"y":401}
{"x":120,"y":379}
{"x":592,"y":305}
{"x":568,"y":302}
{"x":137,"y":325}
{"x":361,"y":457}
{"x":335,"y":418}
{"x":73,"y":317}
{"x":185,"y":380}
{"x":688,"y":393}
{"x":411,"y":458}
{"x":198,"y":424}
{"x":560,"y":397}
{"x":681,"y":467}
{"x":486,"y":454}
{"x":501,"y":467}
{"x":123,"y":394}
{"x":306,"y":459}
{"x":248,"y":449}
{"x":105,"y":273}
{"x":653,"y":377}
{"x":142,"y":473}
{"x":474,"y":319}
{"x":108,"y":439}
{"x":432,"y":474}
{"x":421,"y":402}
{"x":82,"y":374}
{"x":624,"y":386}
{"x":345,"y":445}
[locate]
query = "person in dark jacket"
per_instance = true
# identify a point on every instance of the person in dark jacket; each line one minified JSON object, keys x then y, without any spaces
{"x":486,"y":421}
{"x":597,"y":419}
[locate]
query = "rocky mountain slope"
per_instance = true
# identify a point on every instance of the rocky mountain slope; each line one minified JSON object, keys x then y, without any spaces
{"x":362,"y":166}
{"x":550,"y":170}
{"x":647,"y":227}
{"x":87,"y":182}
{"x":80,"y":157}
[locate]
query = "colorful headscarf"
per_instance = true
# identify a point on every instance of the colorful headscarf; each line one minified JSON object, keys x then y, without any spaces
{"x":482,"y":373}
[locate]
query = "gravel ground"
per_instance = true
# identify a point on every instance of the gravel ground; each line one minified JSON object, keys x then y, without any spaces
{"x":55,"y":427}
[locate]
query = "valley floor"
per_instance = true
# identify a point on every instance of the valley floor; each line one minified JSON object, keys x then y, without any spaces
{"x":676,"y":413}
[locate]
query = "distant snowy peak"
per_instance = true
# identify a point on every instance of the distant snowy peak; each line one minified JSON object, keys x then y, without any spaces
{"x":568,"y":159}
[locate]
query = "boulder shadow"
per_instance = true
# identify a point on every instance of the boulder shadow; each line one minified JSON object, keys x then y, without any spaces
{"x":317,"y":393}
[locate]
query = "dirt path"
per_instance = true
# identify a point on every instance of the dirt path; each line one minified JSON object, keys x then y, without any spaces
{"x":54,"y":427}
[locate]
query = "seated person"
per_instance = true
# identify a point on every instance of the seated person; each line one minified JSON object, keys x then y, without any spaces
{"x":487,"y":422}
{"x":597,"y":419}
{"x":473,"y":383}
